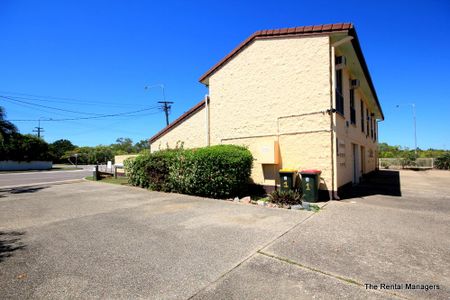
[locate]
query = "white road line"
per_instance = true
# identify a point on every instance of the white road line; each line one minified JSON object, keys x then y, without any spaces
{"x":41,"y":172}
{"x":42,"y":183}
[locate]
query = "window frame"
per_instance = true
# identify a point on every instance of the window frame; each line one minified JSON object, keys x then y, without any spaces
{"x":367,"y":122}
{"x":339,"y":92}
{"x":362,"y":115}
{"x":352,"y":106}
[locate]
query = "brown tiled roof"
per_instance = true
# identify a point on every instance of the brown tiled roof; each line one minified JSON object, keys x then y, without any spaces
{"x":294,"y":31}
{"x":178,"y":121}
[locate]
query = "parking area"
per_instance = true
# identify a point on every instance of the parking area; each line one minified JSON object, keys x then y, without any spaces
{"x":90,"y":239}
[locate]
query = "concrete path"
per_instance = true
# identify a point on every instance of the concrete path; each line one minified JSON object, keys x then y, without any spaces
{"x":8,"y":180}
{"x":375,"y":240}
{"x":95,"y":240}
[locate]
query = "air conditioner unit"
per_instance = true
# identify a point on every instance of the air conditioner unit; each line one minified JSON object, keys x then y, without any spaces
{"x":354,"y":84}
{"x":341,"y":62}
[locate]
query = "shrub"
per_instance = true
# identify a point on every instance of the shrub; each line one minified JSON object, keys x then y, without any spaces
{"x":150,"y":170}
{"x":285,"y":197}
{"x":408,"y":159}
{"x":217,"y":171}
{"x":158,"y":168}
{"x":443,"y":161}
{"x":136,"y":170}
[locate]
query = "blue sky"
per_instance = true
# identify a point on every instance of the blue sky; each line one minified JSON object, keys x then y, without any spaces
{"x":83,"y":54}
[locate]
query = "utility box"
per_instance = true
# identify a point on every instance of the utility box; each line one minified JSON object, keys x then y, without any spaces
{"x":268,"y":153}
{"x":310,"y":185}
{"x":288,"y":179}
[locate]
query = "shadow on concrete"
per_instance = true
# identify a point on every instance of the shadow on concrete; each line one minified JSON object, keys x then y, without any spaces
{"x":20,"y":190}
{"x":10,"y":241}
{"x":382,"y":182}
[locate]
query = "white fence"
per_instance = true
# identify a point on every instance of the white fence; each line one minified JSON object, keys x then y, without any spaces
{"x":11,"y":165}
{"x":401,"y":163}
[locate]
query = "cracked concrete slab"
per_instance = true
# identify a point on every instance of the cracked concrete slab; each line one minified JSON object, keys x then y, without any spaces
{"x":263,"y":277}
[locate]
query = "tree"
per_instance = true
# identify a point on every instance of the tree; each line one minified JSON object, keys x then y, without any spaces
{"x":142,"y":145}
{"x":59,"y":147}
{"x":123,"y":146}
{"x":91,"y":155}
{"x":7,"y":129}
{"x":24,"y":147}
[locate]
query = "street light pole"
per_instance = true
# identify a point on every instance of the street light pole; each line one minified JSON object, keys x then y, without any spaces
{"x":158,"y":85}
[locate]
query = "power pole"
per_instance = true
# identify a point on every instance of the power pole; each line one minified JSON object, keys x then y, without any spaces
{"x":166,"y":108}
{"x":39,"y":129}
{"x":165,"y":104}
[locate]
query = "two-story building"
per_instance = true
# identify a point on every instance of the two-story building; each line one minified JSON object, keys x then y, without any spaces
{"x":298,"y":97}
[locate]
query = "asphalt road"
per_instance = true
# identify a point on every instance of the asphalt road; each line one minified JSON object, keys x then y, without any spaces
{"x":40,"y":177}
{"x":96,"y":240}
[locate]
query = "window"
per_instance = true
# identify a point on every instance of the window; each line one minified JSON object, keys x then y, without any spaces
{"x":375,"y":127}
{"x":339,"y":94}
{"x":367,"y":122}
{"x":371,"y":126}
{"x":372,"y":133}
{"x":362,"y":116}
{"x":352,"y":106}
{"x":337,"y":147}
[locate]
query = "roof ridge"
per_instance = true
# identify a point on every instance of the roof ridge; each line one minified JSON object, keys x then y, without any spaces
{"x":298,"y":29}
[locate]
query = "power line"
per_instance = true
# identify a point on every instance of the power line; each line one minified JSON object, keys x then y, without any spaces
{"x":24,"y":94}
{"x":76,"y":101}
{"x":37,"y":109}
{"x":110,"y":126}
{"x":49,"y":107}
{"x":89,"y":118}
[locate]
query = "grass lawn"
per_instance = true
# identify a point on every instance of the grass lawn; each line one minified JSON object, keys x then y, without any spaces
{"x":119,"y":180}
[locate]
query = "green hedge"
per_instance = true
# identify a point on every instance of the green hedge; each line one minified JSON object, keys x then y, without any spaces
{"x":443,"y":162}
{"x":218,"y":171}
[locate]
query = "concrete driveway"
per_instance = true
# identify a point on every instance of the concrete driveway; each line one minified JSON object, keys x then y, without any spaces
{"x":85,"y":240}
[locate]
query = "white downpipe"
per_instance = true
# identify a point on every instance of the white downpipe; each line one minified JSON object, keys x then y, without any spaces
{"x":207,"y":119}
{"x":333,"y":125}
{"x":333,"y":97}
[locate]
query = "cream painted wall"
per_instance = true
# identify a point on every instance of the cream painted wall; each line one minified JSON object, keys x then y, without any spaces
{"x":192,"y":132}
{"x":275,"y":78}
{"x":119,"y":160}
{"x":352,"y":134}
